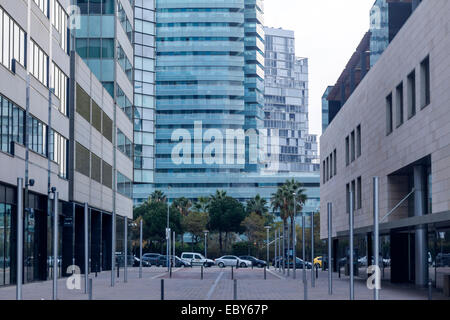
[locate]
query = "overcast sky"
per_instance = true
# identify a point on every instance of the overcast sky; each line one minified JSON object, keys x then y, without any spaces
{"x":327,"y":32}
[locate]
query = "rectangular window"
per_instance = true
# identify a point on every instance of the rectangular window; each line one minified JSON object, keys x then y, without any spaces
{"x":359,"y":194}
{"x":331,"y":166}
{"x":354,"y":194}
{"x":400,"y":105}
{"x":59,"y":19}
{"x":83,"y":105}
{"x":389,"y":115}
{"x":12,"y":41}
{"x":347,"y":150}
{"x":347,"y":197}
{"x":40,"y":67}
{"x":358,"y":141}
{"x":106,"y":175}
{"x":335,"y":162}
{"x":124,"y":144}
{"x":425,"y":82}
{"x":96,"y":167}
{"x":412,"y":94}
{"x":352,"y":145}
{"x":58,"y":82}
{"x":107,"y":128}
{"x":324,"y":176}
{"x":43,"y":5}
{"x":328,"y":169}
{"x":96,"y":116}
{"x":82,"y":160}
{"x":58,"y":152}
{"x":124,"y":185}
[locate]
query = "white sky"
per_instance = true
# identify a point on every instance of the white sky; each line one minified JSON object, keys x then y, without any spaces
{"x":327,"y":32}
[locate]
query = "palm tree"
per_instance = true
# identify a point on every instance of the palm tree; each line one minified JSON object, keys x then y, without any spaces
{"x":279,"y":202}
{"x":157,"y":196}
{"x":202,"y":205}
{"x":219,"y":195}
{"x":183,"y":205}
{"x":257,"y":205}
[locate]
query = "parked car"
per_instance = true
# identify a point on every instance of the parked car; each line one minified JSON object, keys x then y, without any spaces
{"x":298,"y":263}
{"x":150,"y":259}
{"x":196,"y":259}
{"x":121,"y":262}
{"x":179,"y":263}
{"x":255,"y":262}
{"x":232,"y":261}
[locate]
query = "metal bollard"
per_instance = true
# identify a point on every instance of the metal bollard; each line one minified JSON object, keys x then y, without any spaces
{"x":202,"y":273}
{"x":162,"y":289}
{"x":339,"y":271}
{"x":118,"y":270}
{"x":265,"y":273}
{"x":235,"y":290}
{"x":232,"y":273}
{"x":170,"y":271}
{"x":430,"y":290}
{"x":90,"y":289}
{"x":317,"y":272}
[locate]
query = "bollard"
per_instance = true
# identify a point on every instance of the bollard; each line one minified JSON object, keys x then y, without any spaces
{"x":118,"y":270}
{"x":339,"y":271}
{"x":265,"y":273}
{"x":170,"y":271}
{"x":90,"y":289}
{"x":317,"y":272}
{"x":430,"y":290}
{"x":232,"y":273}
{"x":162,"y":289}
{"x":202,"y":273}
{"x":235,"y":290}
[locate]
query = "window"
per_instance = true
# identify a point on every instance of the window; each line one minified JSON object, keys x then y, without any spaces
{"x":96,"y":167}
{"x":359,"y":194}
{"x":58,"y":152}
{"x":12,"y":124}
{"x":96,"y":116}
{"x":83,"y":160}
{"x":352,"y":145}
{"x":59,"y":82}
{"x":347,"y":150}
{"x":399,"y":101}
{"x":347,"y":197}
{"x":389,"y":115}
{"x":425,"y":82}
{"x":358,"y":141}
{"x":412,"y":94}
{"x":107,"y":127}
{"x":12,"y":41}
{"x":37,"y":136}
{"x":124,"y":185}
{"x":324,"y":174}
{"x":83,"y":106}
{"x":106,"y":174}
{"x":331,"y":166}
{"x":43,"y":5}
{"x":124,"y":144}
{"x":39,"y":63}
{"x":59,"y":19}
{"x":328,"y":169}
{"x":354,"y":194}
{"x":335,"y":162}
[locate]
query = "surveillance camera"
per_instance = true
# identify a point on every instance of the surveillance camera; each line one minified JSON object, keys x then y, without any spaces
{"x":31,"y":182}
{"x":53,"y":189}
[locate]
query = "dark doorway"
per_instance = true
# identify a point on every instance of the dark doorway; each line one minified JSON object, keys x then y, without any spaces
{"x":96,"y":240}
{"x":106,"y":241}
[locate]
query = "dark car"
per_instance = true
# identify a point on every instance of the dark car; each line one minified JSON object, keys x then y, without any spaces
{"x":162,"y":262}
{"x":150,"y":259}
{"x":255,"y":261}
{"x":120,"y":260}
{"x":298,"y":263}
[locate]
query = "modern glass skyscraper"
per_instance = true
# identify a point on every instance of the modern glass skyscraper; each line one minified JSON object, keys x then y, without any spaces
{"x":286,"y":104}
{"x":144,"y":97}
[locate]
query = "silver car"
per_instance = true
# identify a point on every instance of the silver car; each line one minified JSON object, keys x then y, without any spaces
{"x":232,"y":261}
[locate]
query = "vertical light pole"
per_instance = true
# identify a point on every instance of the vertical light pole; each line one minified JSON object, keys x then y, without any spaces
{"x":113,"y":248}
{"x":125,"y":240}
{"x":140,"y":249}
{"x":330,"y":271}
{"x":305,"y":284}
{"x":376,"y":235}
{"x":173,"y":251}
{"x":284,"y":251}
{"x":275,"y":249}
{"x":55,"y":243}
{"x":267,"y":230}
{"x":313,"y":279}
{"x":352,"y":278}
{"x":279,"y":250}
{"x":206,"y":242}
{"x":294,"y":239}
{"x":86,"y":248}
{"x":168,"y":236}
{"x":288,"y":250}
{"x":19,"y":238}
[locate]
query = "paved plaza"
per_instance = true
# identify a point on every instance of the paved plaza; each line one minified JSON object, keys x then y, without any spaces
{"x":186,"y":284}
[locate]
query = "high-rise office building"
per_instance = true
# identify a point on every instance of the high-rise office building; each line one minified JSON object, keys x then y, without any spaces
{"x":286,"y":104}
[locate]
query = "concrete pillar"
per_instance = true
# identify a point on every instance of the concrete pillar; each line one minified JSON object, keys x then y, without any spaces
{"x":421,"y":255}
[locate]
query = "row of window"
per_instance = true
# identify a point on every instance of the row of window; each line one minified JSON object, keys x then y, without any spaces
{"x":124,"y":185}
{"x":126,"y":25}
{"x":355,"y":187}
{"x":124,"y":144}
{"x":91,"y":112}
{"x":59,"y":82}
{"x":12,"y":41}
{"x":329,"y":167}
{"x":425,"y":97}
{"x":353,"y":146}
{"x":124,"y":63}
{"x":124,"y":103}
{"x":12,"y":129}
{"x":92,"y":7}
{"x":58,"y":18}
{"x":95,"y":48}
{"x":92,"y":166}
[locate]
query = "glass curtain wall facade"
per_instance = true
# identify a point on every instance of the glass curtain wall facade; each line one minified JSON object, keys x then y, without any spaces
{"x":144,"y":98}
{"x":286,"y":103}
{"x":379,"y":26}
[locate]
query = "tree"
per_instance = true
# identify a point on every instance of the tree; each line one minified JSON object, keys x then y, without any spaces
{"x":254,"y":228}
{"x":257,"y":205}
{"x":201,"y":205}
{"x":157,"y":196}
{"x":226,"y":215}
{"x":183,"y":206}
{"x":195,"y":223}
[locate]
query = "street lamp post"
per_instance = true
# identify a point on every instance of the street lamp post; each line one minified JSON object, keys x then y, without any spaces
{"x":267,"y":229}
{"x":294,"y":240}
{"x":140,"y":249}
{"x":168,"y":235}
{"x":206,"y":242}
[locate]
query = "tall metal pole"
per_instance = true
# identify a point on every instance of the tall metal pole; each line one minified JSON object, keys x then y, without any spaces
{"x":86,"y":248}
{"x":288,"y":250}
{"x":267,"y":229}
{"x":294,"y":255}
{"x":313,"y":279}
{"x":275,"y":249}
{"x":284,"y":251}
{"x":168,"y":236}
{"x":279,"y":250}
{"x":352,"y":276}
{"x":125,"y":241}
{"x":376,"y":233}
{"x":140,"y":249}
{"x":174,"y":241}
{"x":19,"y":238}
{"x":305,"y":281}
{"x":113,"y":248}
{"x":206,"y":243}
{"x":330,"y":270}
{"x":55,"y":245}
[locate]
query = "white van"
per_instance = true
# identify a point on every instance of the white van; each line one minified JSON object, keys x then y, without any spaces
{"x":196,"y":259}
